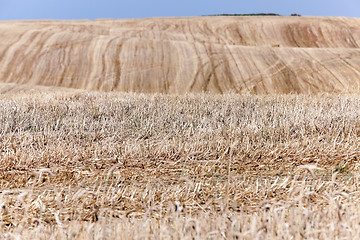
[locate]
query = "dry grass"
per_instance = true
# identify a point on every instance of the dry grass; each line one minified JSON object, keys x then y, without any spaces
{"x":126,"y":166}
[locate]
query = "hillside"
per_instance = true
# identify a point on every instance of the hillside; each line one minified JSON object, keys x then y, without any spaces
{"x":250,"y":55}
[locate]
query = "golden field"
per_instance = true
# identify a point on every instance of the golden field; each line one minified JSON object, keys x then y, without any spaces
{"x":180,"y":128}
{"x":90,"y":165}
{"x":247,"y":55}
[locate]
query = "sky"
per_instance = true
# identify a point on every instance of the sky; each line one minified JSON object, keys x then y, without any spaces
{"x":95,"y":9}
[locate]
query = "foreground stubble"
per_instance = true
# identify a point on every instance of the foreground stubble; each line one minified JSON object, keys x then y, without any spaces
{"x":132,"y":166}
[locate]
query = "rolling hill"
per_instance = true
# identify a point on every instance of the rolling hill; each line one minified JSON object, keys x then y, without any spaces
{"x":216,"y":54}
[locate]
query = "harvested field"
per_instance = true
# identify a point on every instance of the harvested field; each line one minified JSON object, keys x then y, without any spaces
{"x":92,"y":165}
{"x":261,"y":55}
{"x":274,"y":156}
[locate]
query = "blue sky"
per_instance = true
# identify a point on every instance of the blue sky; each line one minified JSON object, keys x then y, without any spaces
{"x":93,"y":9}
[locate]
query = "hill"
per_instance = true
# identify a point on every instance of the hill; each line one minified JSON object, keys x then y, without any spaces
{"x":216,"y":54}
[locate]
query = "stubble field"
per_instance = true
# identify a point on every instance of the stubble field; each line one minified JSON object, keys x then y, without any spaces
{"x":89,"y":165}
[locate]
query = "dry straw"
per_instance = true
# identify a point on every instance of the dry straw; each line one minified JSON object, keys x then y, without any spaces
{"x":132,"y":166}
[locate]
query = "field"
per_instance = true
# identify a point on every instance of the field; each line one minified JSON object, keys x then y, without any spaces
{"x":214,"y":54}
{"x":91,"y":165}
{"x":213,"y":127}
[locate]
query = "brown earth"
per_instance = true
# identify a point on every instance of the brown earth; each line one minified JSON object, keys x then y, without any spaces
{"x":261,"y":55}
